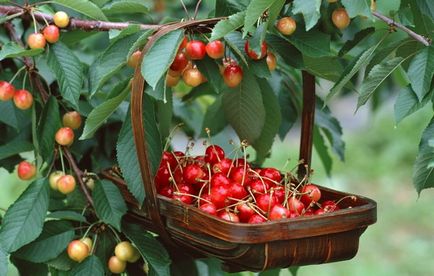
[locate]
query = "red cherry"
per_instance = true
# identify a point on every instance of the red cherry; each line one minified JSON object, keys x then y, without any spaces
{"x":23,"y":99}
{"x":279,"y":193}
{"x":7,"y":91}
{"x":223,"y":166}
{"x":209,"y":208}
{"x":311,"y":193}
{"x":215,"y":49}
{"x":183,"y":43}
{"x":168,"y":157}
{"x":193,"y":77}
{"x":258,"y":186}
{"x":308,"y":212}
{"x":178,"y":175}
{"x":206,"y":198}
{"x":252,"y":54}
{"x":237,"y":174}
{"x":184,"y":195}
{"x":193,"y":173}
{"x":232,"y":75}
{"x":51,"y":33}
{"x":320,"y":212}
{"x":330,"y":206}
{"x":26,"y":170}
{"x":265,"y":202}
{"x":295,"y":205}
{"x":219,"y":195}
{"x":241,"y":162}
{"x":36,"y":41}
{"x":64,"y":136}
{"x":271,"y":176}
{"x":226,"y":215}
{"x":293,"y":214}
{"x":179,"y":63}
{"x":255,"y":219}
{"x":237,"y":191}
{"x":219,"y":179}
{"x":214,"y":154}
{"x":195,"y":49}
{"x":166,"y":191}
{"x":162,"y":178}
{"x":278,"y":212}
{"x":245,"y":212}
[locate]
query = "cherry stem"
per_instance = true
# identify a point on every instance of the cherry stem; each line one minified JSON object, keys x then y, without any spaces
{"x":171,"y":176}
{"x":61,"y":159}
{"x":171,"y":134}
{"x":197,"y":9}
{"x":16,"y":74}
{"x":90,"y":228}
{"x":35,"y":24}
{"x":185,"y":9}
{"x":255,"y":209}
{"x":118,"y":239}
{"x":95,"y":240}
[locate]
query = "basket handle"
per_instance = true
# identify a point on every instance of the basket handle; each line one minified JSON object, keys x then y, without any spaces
{"x":137,"y":87}
{"x":307,"y":124}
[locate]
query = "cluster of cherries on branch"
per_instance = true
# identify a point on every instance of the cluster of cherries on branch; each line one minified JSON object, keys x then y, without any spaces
{"x":233,"y":190}
{"x":189,"y":51}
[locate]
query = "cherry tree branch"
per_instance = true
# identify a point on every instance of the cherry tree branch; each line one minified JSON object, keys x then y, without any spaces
{"x":86,"y":25}
{"x":425,"y":41}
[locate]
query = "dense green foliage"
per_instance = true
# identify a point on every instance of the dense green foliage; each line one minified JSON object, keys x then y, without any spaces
{"x":87,"y":72}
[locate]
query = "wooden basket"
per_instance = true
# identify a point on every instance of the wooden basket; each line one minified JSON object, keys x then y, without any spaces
{"x":255,"y":247}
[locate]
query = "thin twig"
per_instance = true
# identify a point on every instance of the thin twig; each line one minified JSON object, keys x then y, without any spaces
{"x":425,"y":41}
{"x":86,"y":25}
{"x":185,"y":9}
{"x":79,"y":174}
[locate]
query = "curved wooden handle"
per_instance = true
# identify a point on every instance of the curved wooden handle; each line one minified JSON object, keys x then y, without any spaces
{"x":137,"y":87}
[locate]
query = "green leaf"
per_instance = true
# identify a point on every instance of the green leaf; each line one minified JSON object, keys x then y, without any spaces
{"x":14,"y":147}
{"x":376,"y":77}
{"x":160,"y":56}
{"x":165,"y":115}
{"x":352,"y":68}
{"x":126,"y":7}
{"x":106,"y":246}
{"x":255,"y":10}
{"x":286,"y":50}
{"x":91,"y":266}
{"x":421,"y":71}
{"x":213,"y":118}
{"x":356,"y":8}
{"x":313,"y":43}
{"x":290,"y":101}
{"x":321,"y":149}
{"x":62,"y":262}
{"x":68,"y":71}
{"x":423,"y":177}
{"x":126,"y":149}
{"x":407,"y":103}
{"x":270,"y":272}
{"x":229,"y":7}
{"x":24,"y":219}
{"x":272,"y":122}
{"x":328,"y":68}
{"x":210,"y":69}
{"x":28,"y":268}
{"x":244,"y":108}
{"x":55,"y":236}
{"x":84,"y":7}
{"x":426,"y":7}
{"x":109,"y":203}
{"x":310,"y":11}
{"x":160,"y":91}
{"x":99,"y":115}
{"x":150,"y":249}
{"x":273,"y":12}
{"x":111,"y":60}
{"x":260,"y":68}
{"x":13,"y":50}
{"x":294,"y":270}
{"x":423,"y":24}
{"x":236,"y":43}
{"x":3,"y":262}
{"x":228,"y":25}
{"x":331,"y":128}
{"x":358,"y":37}
{"x":48,"y":125}
{"x":67,"y":215}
